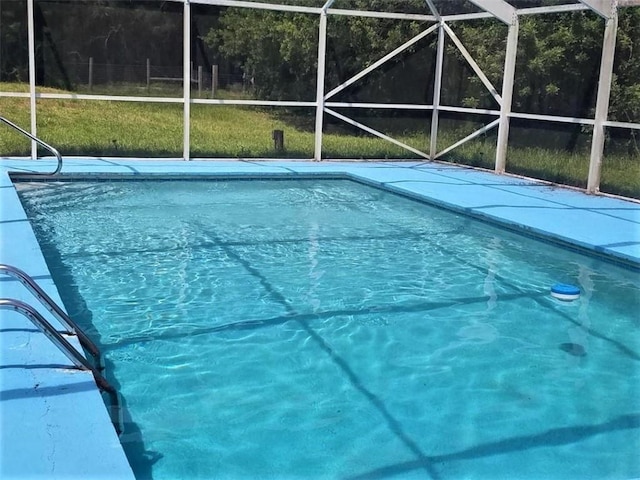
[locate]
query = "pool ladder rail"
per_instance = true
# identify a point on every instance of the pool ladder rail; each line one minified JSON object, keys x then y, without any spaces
{"x":39,"y":142}
{"x":58,"y":339}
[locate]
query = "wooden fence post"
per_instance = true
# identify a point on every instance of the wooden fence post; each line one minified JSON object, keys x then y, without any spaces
{"x":214,"y":80}
{"x":278,"y":140}
{"x":90,"y":73}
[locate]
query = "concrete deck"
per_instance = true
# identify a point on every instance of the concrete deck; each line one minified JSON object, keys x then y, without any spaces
{"x":54,"y":422}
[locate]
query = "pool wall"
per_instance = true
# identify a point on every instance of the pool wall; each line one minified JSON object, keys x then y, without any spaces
{"x":54,"y":422}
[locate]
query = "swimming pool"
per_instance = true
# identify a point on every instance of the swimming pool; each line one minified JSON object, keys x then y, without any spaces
{"x":327,"y":329}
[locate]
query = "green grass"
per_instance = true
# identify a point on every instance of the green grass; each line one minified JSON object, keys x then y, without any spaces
{"x":108,"y":128}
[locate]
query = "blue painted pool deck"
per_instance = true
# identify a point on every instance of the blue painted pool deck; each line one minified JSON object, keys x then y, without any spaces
{"x":53,"y":421}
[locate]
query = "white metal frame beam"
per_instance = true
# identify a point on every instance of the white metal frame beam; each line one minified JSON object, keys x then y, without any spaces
{"x":552,"y":118}
{"x":437,"y":88}
{"x":569,"y":7}
{"x":473,"y":111}
{"x":604,"y":8}
{"x":256,"y":5}
{"x":32,"y":76}
{"x":320,"y":74}
{"x":500,"y":9}
{"x":391,"y":15}
{"x":186,"y":79}
{"x":632,"y":126}
{"x":389,"y":106}
{"x":508,"y":77}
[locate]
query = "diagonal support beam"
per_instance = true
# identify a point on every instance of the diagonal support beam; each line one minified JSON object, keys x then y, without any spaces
{"x":604,"y":8}
{"x":375,"y":132}
{"x":498,"y":8}
{"x":471,"y":136}
{"x":381,"y":61}
{"x":472,"y":63}
{"x":327,"y":5}
{"x":433,"y":9}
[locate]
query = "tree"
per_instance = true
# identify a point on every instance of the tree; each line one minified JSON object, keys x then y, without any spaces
{"x":275,"y":51}
{"x":14,"y":55}
{"x":279,"y":50}
{"x":625,"y":88}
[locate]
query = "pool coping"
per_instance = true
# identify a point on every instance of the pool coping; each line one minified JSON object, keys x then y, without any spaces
{"x":69,"y":432}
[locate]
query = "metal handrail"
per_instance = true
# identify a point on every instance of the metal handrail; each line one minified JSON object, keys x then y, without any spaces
{"x":40,"y":142}
{"x":45,"y":327}
{"x":69,"y":350}
{"x":47,"y":301}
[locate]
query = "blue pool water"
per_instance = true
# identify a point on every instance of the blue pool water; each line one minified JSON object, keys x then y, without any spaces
{"x":325,"y":329}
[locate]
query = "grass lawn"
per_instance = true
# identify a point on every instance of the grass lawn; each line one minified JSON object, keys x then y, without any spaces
{"x":111,"y":128}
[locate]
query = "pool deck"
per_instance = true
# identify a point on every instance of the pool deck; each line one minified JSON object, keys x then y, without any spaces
{"x":53,"y":420}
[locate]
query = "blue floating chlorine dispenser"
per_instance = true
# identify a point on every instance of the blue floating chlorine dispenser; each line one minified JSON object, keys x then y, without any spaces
{"x":565,"y":292}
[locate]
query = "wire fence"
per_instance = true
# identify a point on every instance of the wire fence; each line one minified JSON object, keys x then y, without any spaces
{"x":90,"y":76}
